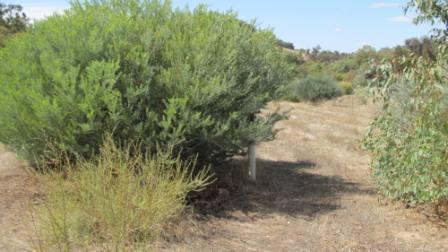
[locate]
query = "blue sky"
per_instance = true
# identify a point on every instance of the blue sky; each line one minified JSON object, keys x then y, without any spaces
{"x":343,"y":25}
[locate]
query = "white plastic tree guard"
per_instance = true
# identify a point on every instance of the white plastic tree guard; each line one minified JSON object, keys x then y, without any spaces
{"x":252,"y":162}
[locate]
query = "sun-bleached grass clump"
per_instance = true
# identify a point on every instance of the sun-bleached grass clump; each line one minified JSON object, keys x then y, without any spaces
{"x":117,"y":201}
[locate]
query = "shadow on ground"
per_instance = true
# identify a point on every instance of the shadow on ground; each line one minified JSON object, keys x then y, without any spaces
{"x":290,"y":188}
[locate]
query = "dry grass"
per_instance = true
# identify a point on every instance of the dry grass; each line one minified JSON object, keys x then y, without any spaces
{"x":118,"y":202}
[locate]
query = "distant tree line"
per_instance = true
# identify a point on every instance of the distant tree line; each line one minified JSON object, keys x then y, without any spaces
{"x":12,"y":21}
{"x":416,"y":46}
{"x":284,"y":44}
{"x":322,"y":68}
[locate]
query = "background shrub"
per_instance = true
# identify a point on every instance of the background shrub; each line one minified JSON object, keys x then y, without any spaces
{"x":190,"y":79}
{"x":118,"y":201}
{"x":12,"y":21}
{"x":313,"y":89}
{"x":346,"y":87}
{"x":285,"y":44}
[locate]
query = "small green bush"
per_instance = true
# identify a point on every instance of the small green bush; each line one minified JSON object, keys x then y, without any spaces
{"x":118,"y":201}
{"x":361,"y":79}
{"x":346,"y":87}
{"x":344,"y":65}
{"x":313,"y":89}
{"x":339,"y":77}
{"x":147,"y":73}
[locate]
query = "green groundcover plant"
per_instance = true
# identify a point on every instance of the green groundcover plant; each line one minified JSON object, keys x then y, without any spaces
{"x":190,"y":79}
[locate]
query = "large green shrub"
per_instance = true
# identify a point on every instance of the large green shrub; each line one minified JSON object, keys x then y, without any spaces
{"x":192,"y":79}
{"x":313,"y":89}
{"x":409,"y":141}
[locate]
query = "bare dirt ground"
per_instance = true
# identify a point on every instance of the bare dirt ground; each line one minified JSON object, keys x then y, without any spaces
{"x":313,"y":194}
{"x":17,"y":191}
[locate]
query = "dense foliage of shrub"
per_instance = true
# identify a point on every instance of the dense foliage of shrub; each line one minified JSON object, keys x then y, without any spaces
{"x":409,"y":141}
{"x":432,"y":12}
{"x":143,"y":71}
{"x":313,"y":89}
{"x":116,"y":202}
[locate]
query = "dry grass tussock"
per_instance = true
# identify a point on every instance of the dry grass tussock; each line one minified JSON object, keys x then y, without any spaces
{"x":117,"y":202}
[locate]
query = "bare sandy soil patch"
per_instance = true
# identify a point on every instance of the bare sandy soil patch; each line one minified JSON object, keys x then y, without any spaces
{"x":17,"y":191}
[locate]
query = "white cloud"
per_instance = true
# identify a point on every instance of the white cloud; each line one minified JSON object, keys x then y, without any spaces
{"x":402,"y":19}
{"x":338,"y":30}
{"x":382,"y":5}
